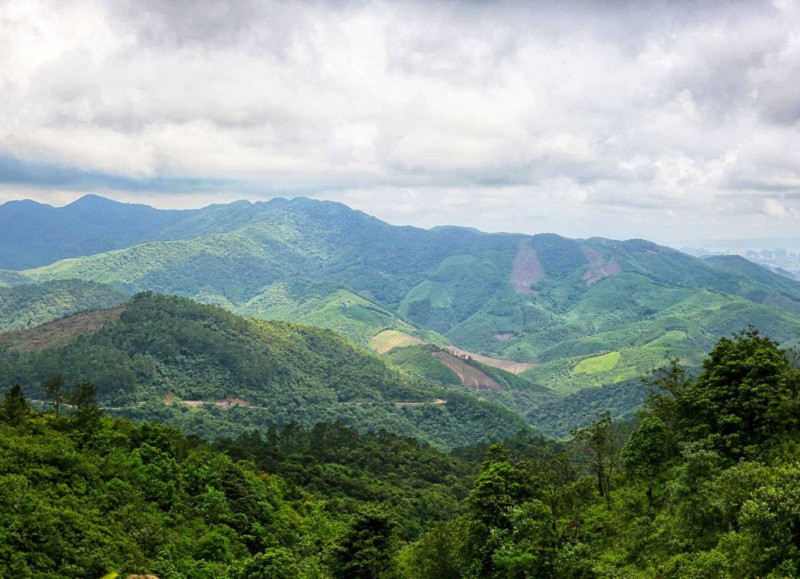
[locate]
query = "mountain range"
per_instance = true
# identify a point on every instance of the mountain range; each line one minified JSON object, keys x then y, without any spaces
{"x":544,"y":312}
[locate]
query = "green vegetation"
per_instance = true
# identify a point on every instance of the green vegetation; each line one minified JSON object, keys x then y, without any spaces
{"x":597,"y":364}
{"x":33,"y":234}
{"x":215,"y":374}
{"x":324,"y":305}
{"x":323,"y":264}
{"x":30,"y":305}
{"x":85,"y":497}
{"x":702,"y":484}
{"x":560,"y":415}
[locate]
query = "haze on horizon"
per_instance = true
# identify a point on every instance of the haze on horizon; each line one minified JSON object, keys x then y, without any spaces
{"x":621,"y":119}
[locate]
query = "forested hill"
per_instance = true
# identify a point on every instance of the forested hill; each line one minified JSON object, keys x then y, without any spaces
{"x":29,"y":305}
{"x":34,"y":234}
{"x":213,"y":373}
{"x":704,"y":484}
{"x":586,"y":312}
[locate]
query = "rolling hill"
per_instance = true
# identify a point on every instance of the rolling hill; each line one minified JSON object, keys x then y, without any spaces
{"x":566,"y":307}
{"x":172,"y":360}
{"x":30,"y":305}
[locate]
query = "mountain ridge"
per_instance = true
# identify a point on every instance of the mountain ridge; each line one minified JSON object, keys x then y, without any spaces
{"x":526,"y":298}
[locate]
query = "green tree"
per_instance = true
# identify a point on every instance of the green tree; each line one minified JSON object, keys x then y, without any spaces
{"x":600,"y":443}
{"x":647,"y":451}
{"x":366,"y":550}
{"x":54,"y":390}
{"x":85,"y":412}
{"x":14,"y":408}
{"x":496,"y":531}
{"x":741,"y":398}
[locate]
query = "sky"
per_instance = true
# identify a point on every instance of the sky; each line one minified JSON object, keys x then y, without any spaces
{"x":661,"y":120}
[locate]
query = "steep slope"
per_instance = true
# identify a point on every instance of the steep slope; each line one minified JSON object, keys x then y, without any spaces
{"x":213,"y":373}
{"x":30,"y":305}
{"x":431,"y":363}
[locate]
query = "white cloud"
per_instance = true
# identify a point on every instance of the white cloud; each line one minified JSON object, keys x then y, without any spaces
{"x":610,"y":118}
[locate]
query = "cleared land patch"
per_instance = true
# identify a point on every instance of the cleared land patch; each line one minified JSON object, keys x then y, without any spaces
{"x":507,"y":365}
{"x":471,"y":377}
{"x":598,"y":364}
{"x":390,"y":339}
{"x":526,"y":268}
{"x":61,"y":331}
{"x":599,"y":266}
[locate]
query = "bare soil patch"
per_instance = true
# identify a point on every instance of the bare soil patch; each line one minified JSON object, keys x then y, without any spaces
{"x":526,"y":268}
{"x":599,"y":266}
{"x":390,"y":339}
{"x":61,"y":331}
{"x":507,"y":365}
{"x":471,"y":377}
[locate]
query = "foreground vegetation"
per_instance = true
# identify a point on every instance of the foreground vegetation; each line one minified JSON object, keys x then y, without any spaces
{"x":703,"y":483}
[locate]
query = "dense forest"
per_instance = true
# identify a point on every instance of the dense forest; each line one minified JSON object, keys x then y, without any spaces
{"x":703,"y":483}
{"x":211,"y":373}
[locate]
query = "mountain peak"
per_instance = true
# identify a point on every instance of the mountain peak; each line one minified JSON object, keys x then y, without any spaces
{"x":91,"y":200}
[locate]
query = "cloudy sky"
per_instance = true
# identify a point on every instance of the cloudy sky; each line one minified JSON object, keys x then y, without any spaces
{"x":659,"y":120}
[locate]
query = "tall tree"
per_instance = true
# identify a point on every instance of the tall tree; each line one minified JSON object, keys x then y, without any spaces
{"x":14,"y":408}
{"x":54,"y":390}
{"x":600,"y":441}
{"x":742,"y":396}
{"x":366,"y":550}
{"x":647,"y":451}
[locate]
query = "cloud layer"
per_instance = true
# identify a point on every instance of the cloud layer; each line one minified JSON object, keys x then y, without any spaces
{"x":597,"y":118}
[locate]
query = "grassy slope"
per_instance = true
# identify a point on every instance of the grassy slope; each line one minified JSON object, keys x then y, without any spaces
{"x":165,"y":346}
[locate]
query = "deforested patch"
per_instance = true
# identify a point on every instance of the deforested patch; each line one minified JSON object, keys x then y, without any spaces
{"x":526,"y":268}
{"x":599,"y":266}
{"x":471,"y":377}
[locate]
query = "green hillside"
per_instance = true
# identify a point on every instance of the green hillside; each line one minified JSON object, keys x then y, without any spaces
{"x":540,"y":299}
{"x":216,"y":374}
{"x":8,"y":278}
{"x":86,"y":495}
{"x":325,"y":305}
{"x":29,"y":305}
{"x":34,"y":234}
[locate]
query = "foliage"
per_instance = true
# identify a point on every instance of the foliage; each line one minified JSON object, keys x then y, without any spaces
{"x":215,"y":374}
{"x":325,"y":264}
{"x":30,"y":305}
{"x":708,"y":487}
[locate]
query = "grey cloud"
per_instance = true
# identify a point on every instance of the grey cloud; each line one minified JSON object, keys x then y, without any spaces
{"x":616,"y":108}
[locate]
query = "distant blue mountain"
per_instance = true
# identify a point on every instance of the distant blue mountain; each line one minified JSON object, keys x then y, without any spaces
{"x":34,"y":234}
